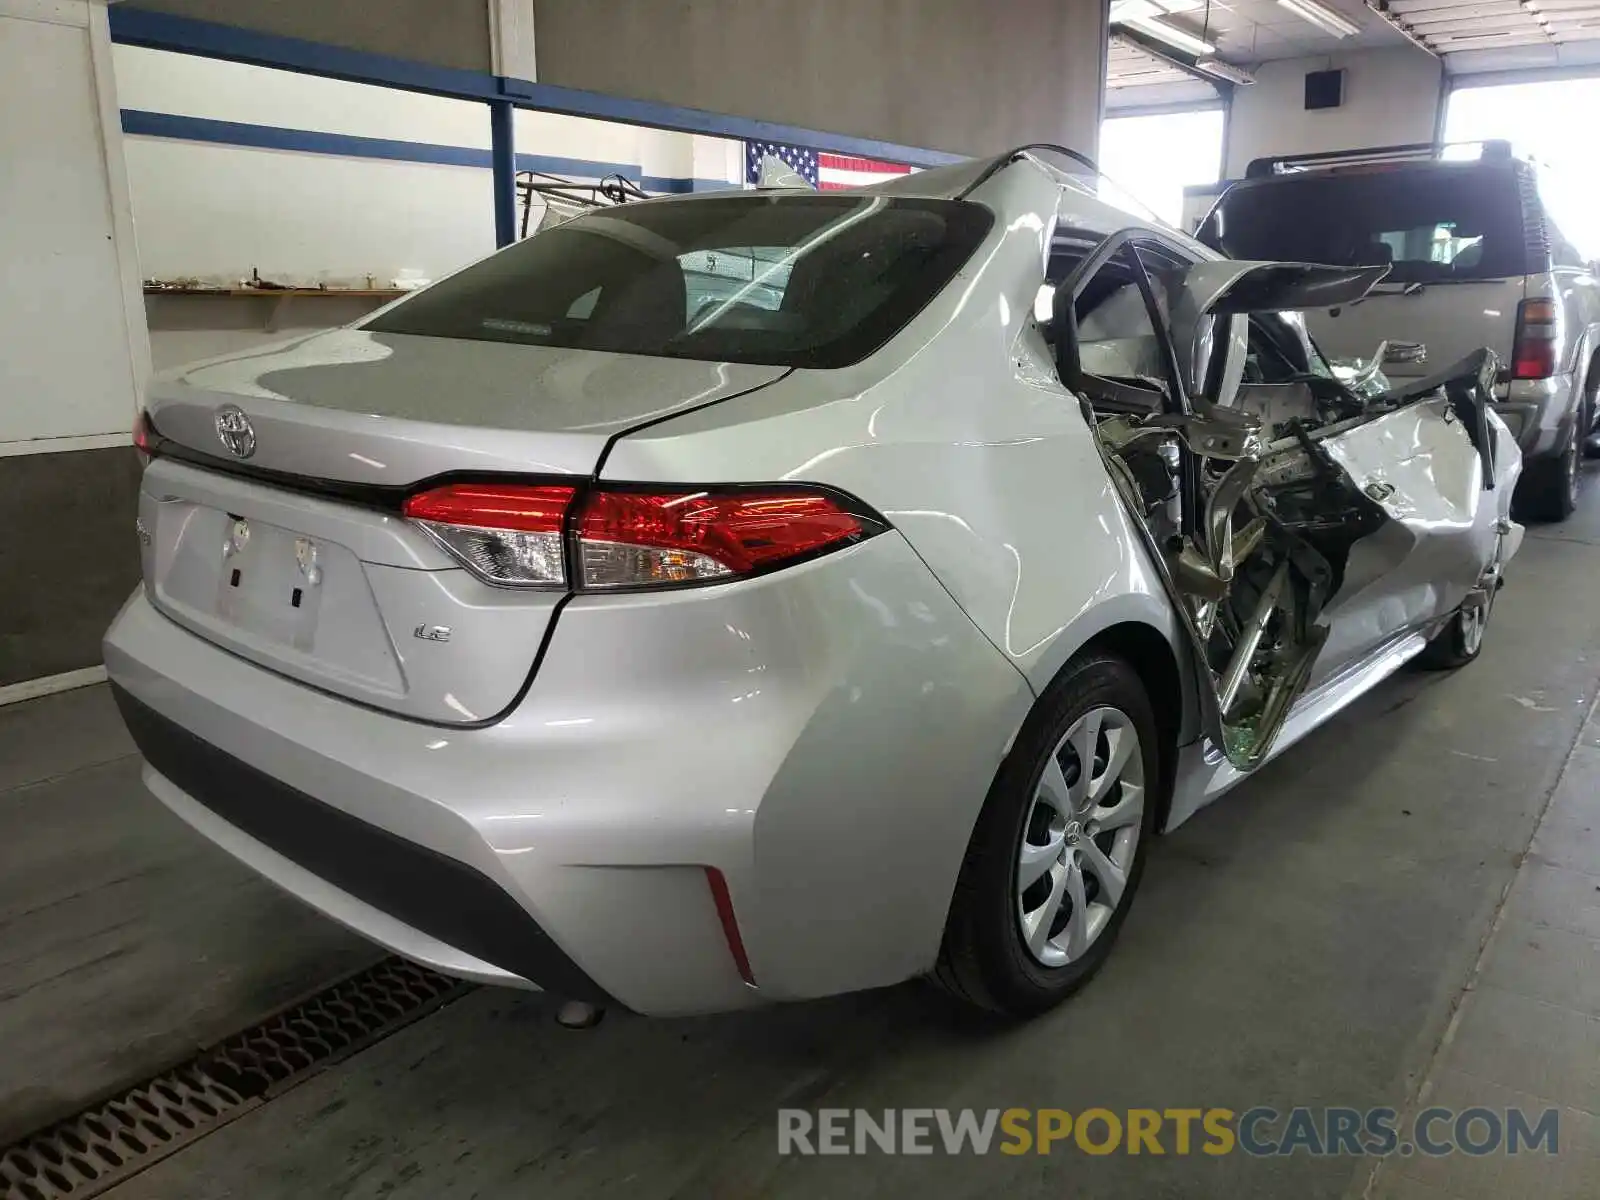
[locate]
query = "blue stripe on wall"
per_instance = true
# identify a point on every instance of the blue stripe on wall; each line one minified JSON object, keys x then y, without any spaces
{"x":164,"y":31}
{"x":186,"y":35}
{"x":309,"y":141}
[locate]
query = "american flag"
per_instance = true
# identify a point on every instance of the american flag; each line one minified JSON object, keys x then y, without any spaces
{"x":824,"y":171}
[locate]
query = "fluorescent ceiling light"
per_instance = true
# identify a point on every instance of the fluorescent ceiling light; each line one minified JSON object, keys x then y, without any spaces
{"x":1171,"y":35}
{"x":1224,"y":70}
{"x":1323,"y":17}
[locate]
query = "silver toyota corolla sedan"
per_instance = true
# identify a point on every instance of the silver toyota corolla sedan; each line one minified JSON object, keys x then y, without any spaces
{"x":738,"y":598}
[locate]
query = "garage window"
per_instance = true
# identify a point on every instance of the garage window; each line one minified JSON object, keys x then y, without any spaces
{"x":1530,"y":117}
{"x":1155,"y":157}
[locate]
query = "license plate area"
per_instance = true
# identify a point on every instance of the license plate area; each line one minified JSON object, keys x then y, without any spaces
{"x":364,"y":591}
{"x":271,"y":582}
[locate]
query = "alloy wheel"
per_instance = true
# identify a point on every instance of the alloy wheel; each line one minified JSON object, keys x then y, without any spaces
{"x":1080,"y":837}
{"x":1474,"y":618}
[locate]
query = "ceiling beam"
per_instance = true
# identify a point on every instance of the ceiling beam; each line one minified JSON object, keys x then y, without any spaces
{"x":1443,"y":24}
{"x":1380,"y":8}
{"x":1425,"y":10}
{"x":1492,"y":41}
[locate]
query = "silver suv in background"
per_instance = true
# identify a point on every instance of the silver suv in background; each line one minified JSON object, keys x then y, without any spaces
{"x":1475,"y":259}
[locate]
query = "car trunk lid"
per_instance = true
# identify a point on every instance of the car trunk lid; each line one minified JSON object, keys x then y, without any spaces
{"x":287,"y":546}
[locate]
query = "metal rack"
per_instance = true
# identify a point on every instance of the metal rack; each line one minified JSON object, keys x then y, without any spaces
{"x":564,"y":199}
{"x":1371,"y":156}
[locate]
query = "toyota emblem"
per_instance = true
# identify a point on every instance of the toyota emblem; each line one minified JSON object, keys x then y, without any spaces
{"x":235,"y":430}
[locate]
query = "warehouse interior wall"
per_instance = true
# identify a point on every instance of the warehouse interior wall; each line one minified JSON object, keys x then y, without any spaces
{"x":944,"y":74}
{"x":1391,"y":97}
{"x":444,"y":33}
{"x":72,"y":343}
{"x":214,"y":213}
{"x":231,"y":170}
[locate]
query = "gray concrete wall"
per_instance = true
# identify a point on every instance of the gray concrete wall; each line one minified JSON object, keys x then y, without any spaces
{"x":1391,"y":97}
{"x":952,"y":75}
{"x":447,"y":33}
{"x":68,"y":556}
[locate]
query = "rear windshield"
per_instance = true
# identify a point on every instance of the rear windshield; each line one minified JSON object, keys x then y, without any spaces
{"x":1434,"y":224}
{"x":793,"y":280}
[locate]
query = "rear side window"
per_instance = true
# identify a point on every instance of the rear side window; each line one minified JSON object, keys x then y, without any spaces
{"x":1433,"y":225}
{"x":793,"y":280}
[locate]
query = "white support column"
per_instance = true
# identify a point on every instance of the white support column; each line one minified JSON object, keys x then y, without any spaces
{"x":511,"y":39}
{"x":121,"y":201}
{"x":74,"y":349}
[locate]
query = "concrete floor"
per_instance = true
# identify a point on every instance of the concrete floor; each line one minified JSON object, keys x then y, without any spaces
{"x":1335,"y":932}
{"x":126,"y":942}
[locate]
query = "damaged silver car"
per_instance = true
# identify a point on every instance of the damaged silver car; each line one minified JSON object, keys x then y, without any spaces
{"x":1292,"y":495}
{"x":690,"y":637}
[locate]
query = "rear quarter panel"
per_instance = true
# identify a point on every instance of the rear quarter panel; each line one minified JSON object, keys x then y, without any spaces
{"x":1578,"y":291}
{"x":959,"y":433}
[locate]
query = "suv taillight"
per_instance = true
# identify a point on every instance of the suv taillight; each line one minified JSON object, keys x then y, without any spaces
{"x":524,"y":535}
{"x":1533,"y":355}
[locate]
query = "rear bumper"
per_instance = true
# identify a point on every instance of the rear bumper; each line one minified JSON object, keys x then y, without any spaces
{"x":437,"y":897}
{"x":824,"y":737}
{"x":1537,"y":411}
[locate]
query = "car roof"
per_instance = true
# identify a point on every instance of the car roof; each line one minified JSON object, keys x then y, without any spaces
{"x":1099,"y":205}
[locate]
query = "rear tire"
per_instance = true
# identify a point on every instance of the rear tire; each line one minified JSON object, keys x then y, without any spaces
{"x":1075,"y":832}
{"x":1591,"y":411}
{"x":1549,"y":489}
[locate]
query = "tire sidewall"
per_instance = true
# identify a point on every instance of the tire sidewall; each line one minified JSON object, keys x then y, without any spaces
{"x":1571,"y":470}
{"x":1024,"y":983}
{"x":1458,"y":639}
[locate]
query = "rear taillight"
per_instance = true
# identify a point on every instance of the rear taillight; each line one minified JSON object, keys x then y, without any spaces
{"x":520,"y":535}
{"x":634,"y":539}
{"x":145,"y":438}
{"x":507,"y":533}
{"x":1533,"y":356}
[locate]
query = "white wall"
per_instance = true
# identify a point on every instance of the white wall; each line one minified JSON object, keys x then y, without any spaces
{"x":1391,"y":96}
{"x":72,"y":346}
{"x":216,"y":212}
{"x":159,"y":81}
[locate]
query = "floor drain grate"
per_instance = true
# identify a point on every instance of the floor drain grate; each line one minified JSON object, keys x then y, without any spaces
{"x":105,"y":1144}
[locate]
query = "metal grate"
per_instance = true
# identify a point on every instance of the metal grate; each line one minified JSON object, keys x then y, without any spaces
{"x":106,"y":1143}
